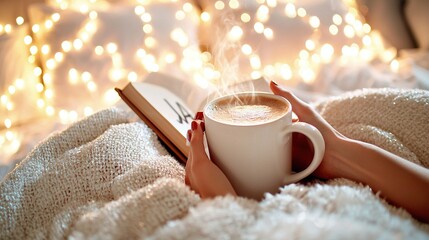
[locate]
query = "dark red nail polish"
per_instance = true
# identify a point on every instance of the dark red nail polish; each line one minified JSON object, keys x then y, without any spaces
{"x":203,"y":126}
{"x":199,"y":116}
{"x":274,"y":82}
{"x":194,"y":125}
{"x":189,"y":135}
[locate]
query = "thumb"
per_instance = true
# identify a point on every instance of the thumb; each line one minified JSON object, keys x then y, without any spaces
{"x":300,"y":107}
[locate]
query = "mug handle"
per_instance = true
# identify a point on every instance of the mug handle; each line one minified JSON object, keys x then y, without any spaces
{"x":319,"y":149}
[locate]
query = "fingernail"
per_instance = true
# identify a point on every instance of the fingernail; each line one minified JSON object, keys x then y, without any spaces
{"x":188,"y":138}
{"x":274,"y":82}
{"x":199,"y":116}
{"x":203,"y":126}
{"x":194,"y":125}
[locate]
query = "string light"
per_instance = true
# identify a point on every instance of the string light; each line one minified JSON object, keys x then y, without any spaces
{"x":364,"y":45}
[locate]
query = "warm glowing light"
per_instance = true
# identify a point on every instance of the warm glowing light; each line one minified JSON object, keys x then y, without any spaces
{"x":307,"y":74}
{"x":99,"y":50}
{"x":40,"y":103}
{"x":51,"y":64}
{"x":286,"y":72}
{"x":73,"y":76}
{"x":310,"y":45}
{"x":333,"y":29}
{"x":268,"y":33}
{"x":55,"y":17}
{"x":8,"y":28}
{"x":246,"y":49}
{"x":170,"y":58}
{"x":93,"y":15}
{"x":327,"y":52}
{"x":301,"y":12}
{"x":92,"y":87}
{"x":147,"y":28}
{"x":290,"y":10}
{"x":49,"y":24}
{"x":219,"y":5}
{"x":349,"y":31}
{"x":179,"y":36}
{"x":86,"y":77}
{"x":132,"y":76}
{"x":37,"y":71}
{"x":259,"y":27}
{"x":66,"y":46}
{"x":337,"y":19}
{"x":77,"y":44}
{"x":394,"y":65}
{"x":49,"y":93}
{"x":180,"y":15}
{"x":150,"y":42}
{"x":366,"y":40}
{"x":303,"y":54}
{"x":111,"y":48}
{"x":366,"y":28}
{"x":3,"y":99}
{"x":7,"y":123}
{"x":50,"y":111}
{"x":110,"y":96}
{"x":45,"y":49}
{"x":245,"y":17}
{"x":314,"y":22}
{"x":235,"y":33}
{"x":28,"y":39}
{"x":187,"y":7}
{"x":47,"y":78}
{"x":11,"y":90}
{"x":349,"y":18}
{"x":35,"y":28}
{"x":205,"y":16}
{"x":139,"y":10}
{"x":262,"y":14}
{"x":33,"y":50}
{"x":59,"y":56}
{"x":19,"y":20}
{"x":146,"y":17}
{"x":39,"y":87}
{"x":255,"y":62}
{"x":19,"y":83}
{"x":234,"y":4}
{"x":88,"y":111}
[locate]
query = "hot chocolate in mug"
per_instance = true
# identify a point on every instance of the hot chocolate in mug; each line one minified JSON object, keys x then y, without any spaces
{"x":249,"y":137}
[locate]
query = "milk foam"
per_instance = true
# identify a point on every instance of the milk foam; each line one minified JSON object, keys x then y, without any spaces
{"x":248,"y":110}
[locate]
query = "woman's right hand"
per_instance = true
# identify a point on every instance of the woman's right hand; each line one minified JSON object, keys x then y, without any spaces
{"x":302,"y":148}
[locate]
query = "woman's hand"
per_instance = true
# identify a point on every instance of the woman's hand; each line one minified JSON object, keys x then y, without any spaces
{"x":302,"y":149}
{"x":201,"y":174}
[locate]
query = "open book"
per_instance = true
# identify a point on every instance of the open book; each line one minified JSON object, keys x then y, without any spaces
{"x":168,"y":105}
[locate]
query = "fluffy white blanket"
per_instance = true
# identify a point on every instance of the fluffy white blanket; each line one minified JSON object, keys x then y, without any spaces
{"x":107,"y":177}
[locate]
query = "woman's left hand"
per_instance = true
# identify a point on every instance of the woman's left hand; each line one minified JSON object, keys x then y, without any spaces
{"x":201,"y":174}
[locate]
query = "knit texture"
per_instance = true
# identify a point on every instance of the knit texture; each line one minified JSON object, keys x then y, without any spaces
{"x":107,"y":178}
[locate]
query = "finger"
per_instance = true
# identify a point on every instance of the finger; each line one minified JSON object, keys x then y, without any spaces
{"x":199,"y":116}
{"x":300,"y":107}
{"x":197,"y":139}
{"x":294,"y":117}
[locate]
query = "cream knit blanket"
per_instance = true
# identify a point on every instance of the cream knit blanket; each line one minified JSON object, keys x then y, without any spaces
{"x":108,"y":178}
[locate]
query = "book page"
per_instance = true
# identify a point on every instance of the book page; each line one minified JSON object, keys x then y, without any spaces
{"x":191,"y":94}
{"x":169,"y":105}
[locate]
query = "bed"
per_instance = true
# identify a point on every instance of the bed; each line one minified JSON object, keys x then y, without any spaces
{"x":77,"y":163}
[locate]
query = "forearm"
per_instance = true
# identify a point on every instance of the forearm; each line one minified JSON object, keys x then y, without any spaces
{"x":401,"y":182}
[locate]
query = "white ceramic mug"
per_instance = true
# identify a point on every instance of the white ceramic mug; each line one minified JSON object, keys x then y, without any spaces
{"x":257,"y":158}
